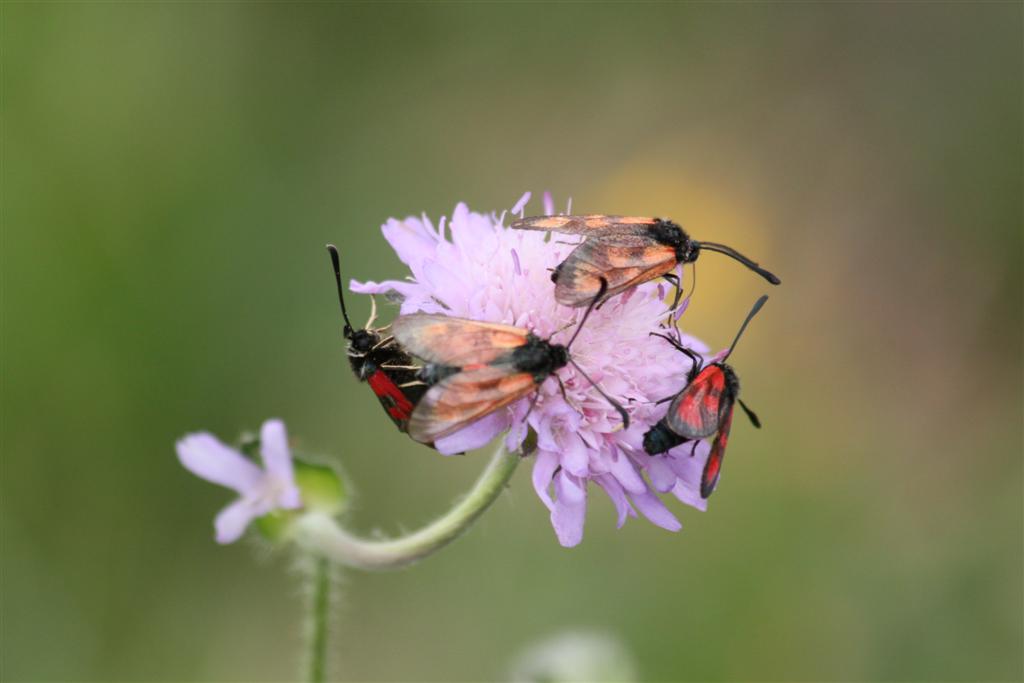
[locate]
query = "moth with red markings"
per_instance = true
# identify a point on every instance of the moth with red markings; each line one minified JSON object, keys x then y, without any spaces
{"x":703,"y":409}
{"x":624,"y":250}
{"x":380,"y":361}
{"x":475,"y":368}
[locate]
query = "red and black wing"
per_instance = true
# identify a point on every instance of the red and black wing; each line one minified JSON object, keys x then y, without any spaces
{"x":456,"y":342}
{"x":398,"y":401}
{"x":698,"y":411}
{"x":713,"y":467}
{"x":590,"y":225}
{"x":624,"y":261}
{"x":467,"y":396}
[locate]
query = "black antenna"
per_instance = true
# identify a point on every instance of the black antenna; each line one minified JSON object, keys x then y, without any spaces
{"x":614,"y":404}
{"x":729,"y":251}
{"x":750,"y":413}
{"x":593,"y":302}
{"x":341,"y":295}
{"x":611,"y":401}
{"x":753,"y":311}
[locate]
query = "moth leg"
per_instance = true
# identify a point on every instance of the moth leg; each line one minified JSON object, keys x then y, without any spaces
{"x":382,"y":343}
{"x":373,"y":312}
{"x":417,"y":383}
{"x":561,"y":387}
{"x":533,"y":403}
{"x":400,"y":367}
{"x":695,"y":358}
{"x":673,"y":279}
{"x":693,"y":451}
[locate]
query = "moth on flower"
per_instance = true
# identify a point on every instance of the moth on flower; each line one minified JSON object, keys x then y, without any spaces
{"x":379,"y":361}
{"x":476,"y":268}
{"x":704,"y":408}
{"x":478,"y":368}
{"x":624,"y":250}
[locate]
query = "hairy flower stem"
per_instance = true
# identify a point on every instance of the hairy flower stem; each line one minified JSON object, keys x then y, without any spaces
{"x":320,"y":534}
{"x":319,"y":604}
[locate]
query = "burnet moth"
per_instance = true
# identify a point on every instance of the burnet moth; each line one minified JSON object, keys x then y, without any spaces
{"x":379,"y":361}
{"x":703,"y":408}
{"x":624,"y":250}
{"x":476,"y":368}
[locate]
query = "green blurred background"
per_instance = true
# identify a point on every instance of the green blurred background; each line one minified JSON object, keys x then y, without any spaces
{"x":172,"y":172}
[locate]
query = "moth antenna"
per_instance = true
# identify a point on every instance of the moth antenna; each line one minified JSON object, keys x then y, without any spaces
{"x":590,"y":308}
{"x":753,"y":311}
{"x":729,"y":251}
{"x":750,"y":413}
{"x":336,"y":261}
{"x":611,"y":401}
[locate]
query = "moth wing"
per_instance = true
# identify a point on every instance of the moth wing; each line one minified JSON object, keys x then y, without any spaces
{"x":465,"y":397}
{"x":713,"y":467}
{"x":593,"y":224}
{"x":622,"y":262}
{"x":455,"y":341}
{"x":696,"y":413}
{"x":398,"y":403}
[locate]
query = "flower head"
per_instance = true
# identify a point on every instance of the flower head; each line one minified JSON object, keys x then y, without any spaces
{"x":473,"y":266}
{"x":260,"y":490}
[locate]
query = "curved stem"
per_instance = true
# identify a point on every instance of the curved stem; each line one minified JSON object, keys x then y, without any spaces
{"x":319,"y":604}
{"x":321,"y":535}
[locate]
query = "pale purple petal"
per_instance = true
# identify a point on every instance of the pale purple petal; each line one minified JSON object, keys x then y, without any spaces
{"x":651,"y":507}
{"x":277,"y":458}
{"x":689,"y":495}
{"x":473,"y":237}
{"x":543,"y":470}
{"x":687,"y":461}
{"x":515,"y":262}
{"x":570,"y":509}
{"x":205,"y":456}
{"x":549,"y":204}
{"x":476,"y":435}
{"x":520,"y":428}
{"x":385,"y":287}
{"x":518,"y":207}
{"x":446,"y":284}
{"x":232,"y":521}
{"x":624,"y":471}
{"x":412,"y":241}
{"x":290,"y":498}
{"x":661,"y":475}
{"x":614,"y":490}
{"x":576,"y":456}
{"x":681,"y":308}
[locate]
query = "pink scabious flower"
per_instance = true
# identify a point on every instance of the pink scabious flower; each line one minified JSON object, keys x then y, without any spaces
{"x":260,"y":490}
{"x":474,"y":266}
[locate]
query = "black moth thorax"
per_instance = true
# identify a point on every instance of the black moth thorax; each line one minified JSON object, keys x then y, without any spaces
{"x":732,"y":383}
{"x":539,"y":357}
{"x":672,"y":235}
{"x":660,"y":439}
{"x":366,"y":355}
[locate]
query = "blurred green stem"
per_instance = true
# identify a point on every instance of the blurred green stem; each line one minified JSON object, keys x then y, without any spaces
{"x":319,"y":604}
{"x":320,"y":534}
